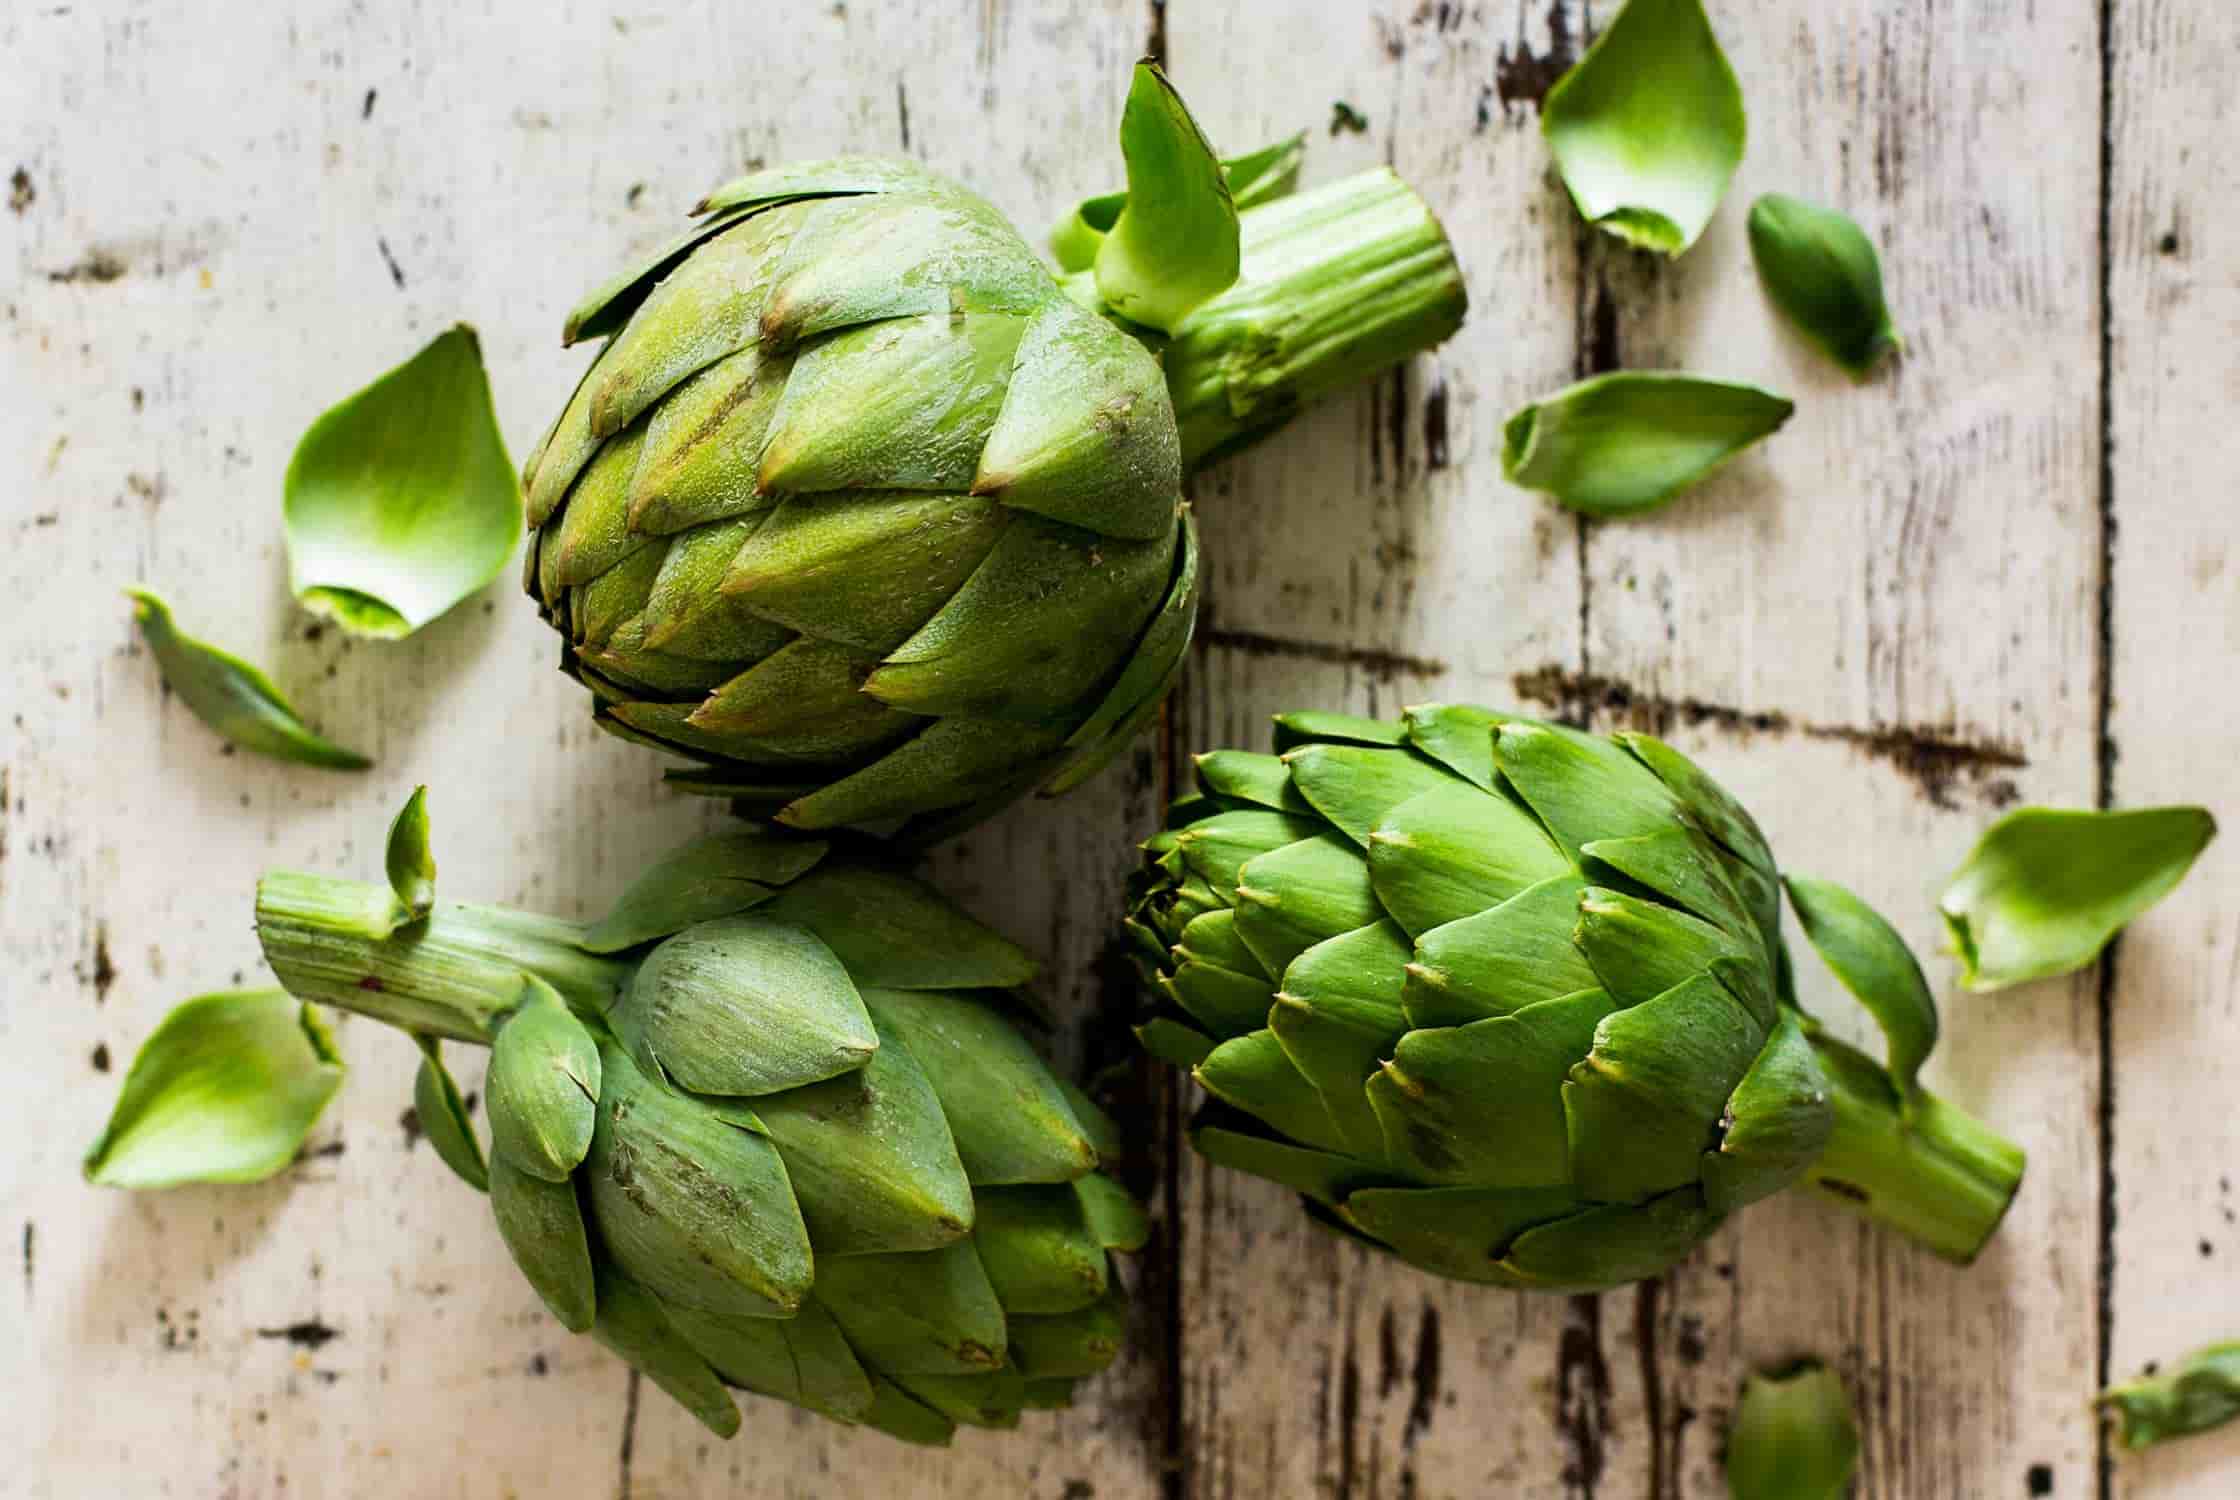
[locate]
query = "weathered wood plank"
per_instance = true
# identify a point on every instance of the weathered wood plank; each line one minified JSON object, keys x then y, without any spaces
{"x":1886,"y":619}
{"x":2173,"y":306}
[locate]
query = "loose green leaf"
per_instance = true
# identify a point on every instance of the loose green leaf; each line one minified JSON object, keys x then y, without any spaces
{"x":1622,"y":444}
{"x":224,"y":1090}
{"x":1820,"y":269}
{"x":442,"y":1113}
{"x":1175,"y":243}
{"x":1344,"y":116}
{"x":1793,"y":1436}
{"x":2045,"y":888}
{"x":400,"y":501}
{"x":231,"y":696}
{"x":1648,"y":127}
{"x":1875,"y":964}
{"x":2202,"y":1391}
{"x":412,"y":866}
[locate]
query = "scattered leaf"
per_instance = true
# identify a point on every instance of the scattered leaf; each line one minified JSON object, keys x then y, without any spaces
{"x":2045,"y":888}
{"x":443,"y":1117}
{"x":1874,"y":963}
{"x":1820,"y":269}
{"x":224,"y":1090}
{"x":411,"y":864}
{"x":1175,"y":243}
{"x":401,"y":501}
{"x":2202,"y":1391}
{"x":1344,"y":116}
{"x":1793,"y":1437}
{"x":230,"y":696}
{"x":1648,"y":127}
{"x":1622,"y":444}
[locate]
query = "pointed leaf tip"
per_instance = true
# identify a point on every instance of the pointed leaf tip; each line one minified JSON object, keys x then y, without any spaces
{"x":231,"y":696}
{"x":2045,"y":888}
{"x":411,"y":865}
{"x":400,"y":500}
{"x":225,"y":1089}
{"x":1175,"y":242}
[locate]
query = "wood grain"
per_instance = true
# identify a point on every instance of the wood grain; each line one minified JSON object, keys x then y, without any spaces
{"x":1998,"y":570}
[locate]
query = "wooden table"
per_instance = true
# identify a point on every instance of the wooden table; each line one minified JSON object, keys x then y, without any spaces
{"x":1998,"y":571}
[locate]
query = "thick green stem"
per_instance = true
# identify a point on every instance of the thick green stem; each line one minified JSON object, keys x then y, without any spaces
{"x":1337,"y":284}
{"x":1933,"y":1172}
{"x":453,"y":974}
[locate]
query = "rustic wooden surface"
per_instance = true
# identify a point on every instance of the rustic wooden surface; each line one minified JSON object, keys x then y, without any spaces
{"x":1997,"y":571}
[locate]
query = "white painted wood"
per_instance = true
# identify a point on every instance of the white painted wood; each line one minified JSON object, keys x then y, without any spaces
{"x":2174,"y":295}
{"x":1921,"y":552}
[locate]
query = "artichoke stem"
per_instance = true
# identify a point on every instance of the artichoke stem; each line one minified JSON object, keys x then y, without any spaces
{"x":1933,"y":1172}
{"x":1337,"y":285}
{"x":453,"y":974}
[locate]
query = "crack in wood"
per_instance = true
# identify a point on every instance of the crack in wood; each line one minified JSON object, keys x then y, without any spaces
{"x":1935,"y":760}
{"x":1375,"y":660}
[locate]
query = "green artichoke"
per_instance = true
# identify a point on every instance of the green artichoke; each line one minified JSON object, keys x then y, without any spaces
{"x":1511,"y":1001}
{"x":768,"y":1124}
{"x":865,"y":508}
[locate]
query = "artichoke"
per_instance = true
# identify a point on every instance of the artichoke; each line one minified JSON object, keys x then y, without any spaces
{"x":1512,"y":1001}
{"x":869,"y":511}
{"x":768,"y":1124}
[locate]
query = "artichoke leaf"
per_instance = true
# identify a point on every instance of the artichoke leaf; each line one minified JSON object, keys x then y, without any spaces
{"x":1039,"y":1249}
{"x":1627,"y":443}
{"x":1291,"y":898}
{"x":1648,"y":127}
{"x":231,"y":696}
{"x":401,"y":501}
{"x":1254,"y":1073}
{"x":2198,"y":1393}
{"x":542,"y":1224}
{"x":1258,"y":177}
{"x":896,"y":932}
{"x":442,"y":1112}
{"x":1175,"y":243}
{"x":225,"y":1089}
{"x":929,"y":1313}
{"x":719,"y":875}
{"x":1073,"y":1344}
{"x":1820,"y":269}
{"x":632,"y":1324}
{"x":543,"y":1085}
{"x":1456,"y":1231}
{"x":2045,"y":888}
{"x":410,"y":864}
{"x":1244,"y":776}
{"x":1874,"y":963}
{"x":1499,"y":961}
{"x":1453,"y":851}
{"x":1794,"y":1437}
{"x":1776,"y":1124}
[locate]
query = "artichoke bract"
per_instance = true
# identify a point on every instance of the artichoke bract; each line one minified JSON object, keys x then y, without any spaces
{"x":1511,"y":1001}
{"x":867,"y":510}
{"x":766,"y":1125}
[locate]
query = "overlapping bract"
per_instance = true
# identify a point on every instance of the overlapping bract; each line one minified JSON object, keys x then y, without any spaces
{"x":768,"y":1125}
{"x":859,"y":508}
{"x":1495,"y":995}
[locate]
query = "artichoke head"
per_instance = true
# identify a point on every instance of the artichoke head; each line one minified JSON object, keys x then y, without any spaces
{"x":769,"y":1124}
{"x":856,"y":506}
{"x":1501,"y":997}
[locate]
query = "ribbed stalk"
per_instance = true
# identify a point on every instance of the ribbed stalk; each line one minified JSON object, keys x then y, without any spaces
{"x":1936,"y":1174}
{"x":1337,"y":284}
{"x":453,"y":974}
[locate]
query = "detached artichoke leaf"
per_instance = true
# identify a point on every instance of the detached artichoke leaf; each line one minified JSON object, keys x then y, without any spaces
{"x":1820,"y":269}
{"x":442,"y":1112}
{"x":2198,"y":1393}
{"x":225,"y":1089}
{"x":1648,"y":127}
{"x":1628,"y":443}
{"x":1874,"y":963}
{"x":401,"y":501}
{"x":1174,"y":244}
{"x":231,"y":696}
{"x":1794,"y":1437}
{"x":2045,"y":888}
